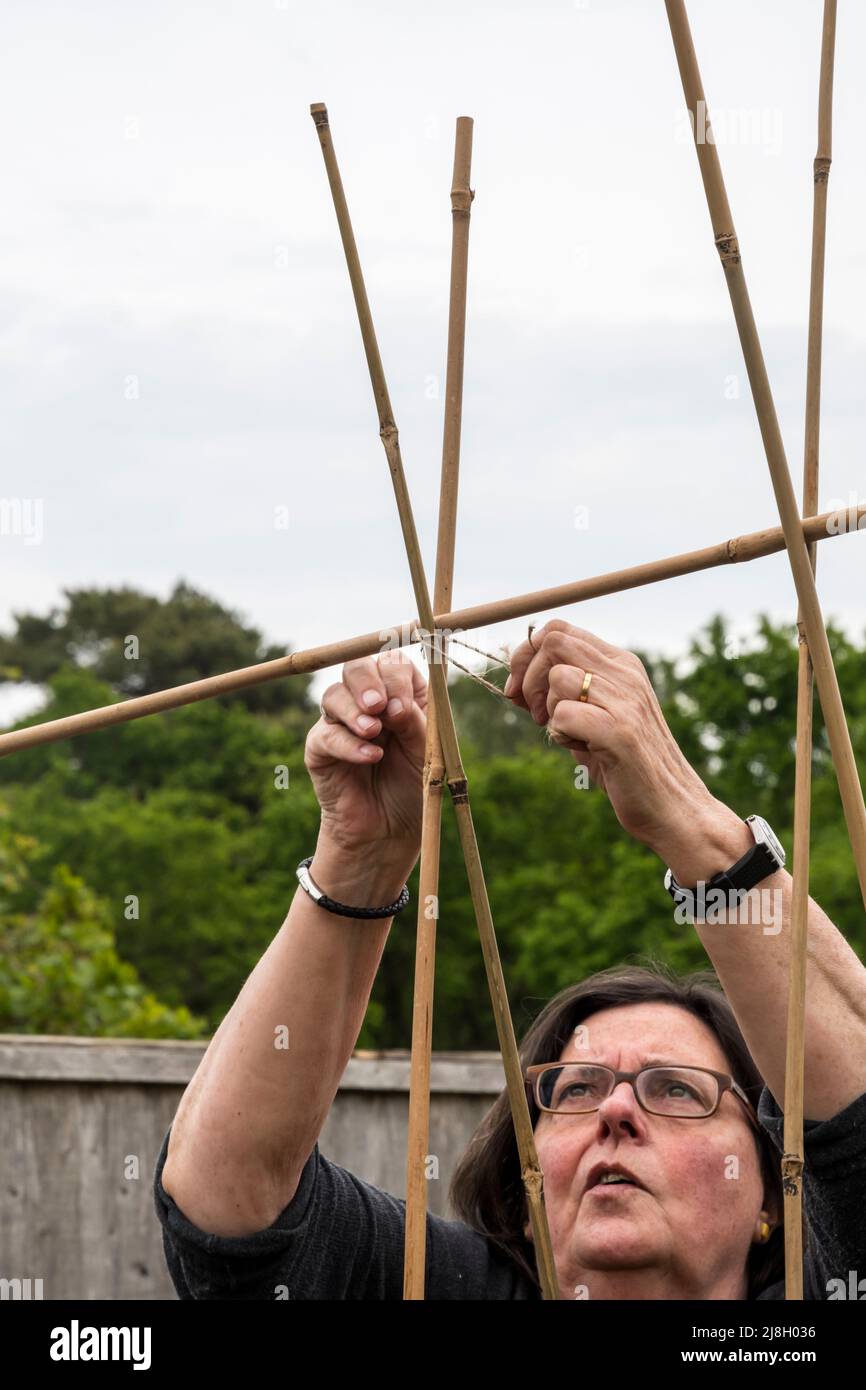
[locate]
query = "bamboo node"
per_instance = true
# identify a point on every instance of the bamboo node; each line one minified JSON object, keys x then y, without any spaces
{"x":731,"y":547}
{"x":728,"y":248}
{"x":389,"y":434}
{"x":319,"y":113}
{"x":533,"y":1181}
{"x":822,"y":167}
{"x":461,"y":199}
{"x":792,"y":1172}
{"x":458,"y":789}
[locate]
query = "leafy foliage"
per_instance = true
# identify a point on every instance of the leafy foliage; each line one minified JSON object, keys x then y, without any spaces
{"x":59,"y":968}
{"x":138,"y":643}
{"x":187,"y":812}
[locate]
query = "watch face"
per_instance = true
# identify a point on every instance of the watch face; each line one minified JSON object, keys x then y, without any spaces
{"x":764,"y":835}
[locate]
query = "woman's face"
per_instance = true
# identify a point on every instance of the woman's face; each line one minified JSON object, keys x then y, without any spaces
{"x":687,"y":1230}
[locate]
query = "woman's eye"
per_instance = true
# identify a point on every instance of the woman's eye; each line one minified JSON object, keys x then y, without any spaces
{"x":575,"y":1088}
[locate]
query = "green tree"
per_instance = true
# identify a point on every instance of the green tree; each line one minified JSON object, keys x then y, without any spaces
{"x":138,"y":643}
{"x":59,"y":967}
{"x":204,"y":813}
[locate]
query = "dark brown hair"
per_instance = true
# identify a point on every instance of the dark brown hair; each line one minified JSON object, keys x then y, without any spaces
{"x":487,"y":1192}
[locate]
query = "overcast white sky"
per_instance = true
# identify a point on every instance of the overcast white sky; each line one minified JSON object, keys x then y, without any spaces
{"x":168,"y":230}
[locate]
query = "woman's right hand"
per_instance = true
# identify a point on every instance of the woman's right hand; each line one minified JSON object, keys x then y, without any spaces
{"x":367,"y":766}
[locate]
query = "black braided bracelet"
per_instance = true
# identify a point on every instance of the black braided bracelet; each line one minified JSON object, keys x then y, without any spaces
{"x":342,"y":909}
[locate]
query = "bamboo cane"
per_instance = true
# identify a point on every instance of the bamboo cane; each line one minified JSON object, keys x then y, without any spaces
{"x":457,"y":783}
{"x":434,"y":767}
{"x":740,"y":549}
{"x":792,"y":1159}
{"x":813,"y":622}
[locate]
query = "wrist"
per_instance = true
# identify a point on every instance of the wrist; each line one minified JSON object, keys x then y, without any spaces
{"x":712,"y":839}
{"x":368,"y":877}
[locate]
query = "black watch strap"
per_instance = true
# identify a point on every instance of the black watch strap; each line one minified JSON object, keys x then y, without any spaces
{"x":758,"y":862}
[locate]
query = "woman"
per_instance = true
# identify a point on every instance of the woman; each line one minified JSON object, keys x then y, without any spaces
{"x":660,"y":1178}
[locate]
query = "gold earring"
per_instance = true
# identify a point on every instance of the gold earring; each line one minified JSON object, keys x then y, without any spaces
{"x":763,"y":1233}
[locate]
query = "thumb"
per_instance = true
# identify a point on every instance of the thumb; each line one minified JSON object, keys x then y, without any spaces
{"x":408,"y":728}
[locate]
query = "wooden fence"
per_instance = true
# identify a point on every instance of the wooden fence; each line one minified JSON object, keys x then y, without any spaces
{"x":82,"y":1121}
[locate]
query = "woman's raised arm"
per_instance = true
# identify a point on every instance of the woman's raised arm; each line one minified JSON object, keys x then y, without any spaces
{"x":255,"y":1107}
{"x":616,"y":727}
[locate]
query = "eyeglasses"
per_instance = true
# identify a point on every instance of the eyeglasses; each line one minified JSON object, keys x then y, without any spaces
{"x":684,"y":1093}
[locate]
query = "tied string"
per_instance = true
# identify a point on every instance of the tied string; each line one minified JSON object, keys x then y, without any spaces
{"x":497,"y":661}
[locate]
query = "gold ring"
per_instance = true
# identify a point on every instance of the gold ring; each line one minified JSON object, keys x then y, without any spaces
{"x":531,"y":643}
{"x":584,"y":694}
{"x":327,"y":717}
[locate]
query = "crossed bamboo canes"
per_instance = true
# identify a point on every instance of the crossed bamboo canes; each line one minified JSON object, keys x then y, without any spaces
{"x":737,"y":550}
{"x":434,"y":766}
{"x":457,"y":783}
{"x":792,"y":1159}
{"x":815,"y":649}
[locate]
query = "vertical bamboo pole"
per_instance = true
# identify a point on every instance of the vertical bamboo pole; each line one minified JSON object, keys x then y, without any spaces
{"x":434,"y":767}
{"x":792,"y":1159}
{"x":819,"y":648}
{"x":457,"y":782}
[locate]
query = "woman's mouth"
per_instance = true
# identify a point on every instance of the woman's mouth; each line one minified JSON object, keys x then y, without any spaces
{"x":604,"y":1180}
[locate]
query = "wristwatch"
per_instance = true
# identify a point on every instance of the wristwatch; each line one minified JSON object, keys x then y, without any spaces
{"x":764,"y":858}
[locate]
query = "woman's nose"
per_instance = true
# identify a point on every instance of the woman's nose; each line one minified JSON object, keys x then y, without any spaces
{"x":620,"y":1107}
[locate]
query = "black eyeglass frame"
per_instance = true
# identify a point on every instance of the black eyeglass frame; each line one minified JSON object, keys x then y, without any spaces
{"x":532,"y":1076}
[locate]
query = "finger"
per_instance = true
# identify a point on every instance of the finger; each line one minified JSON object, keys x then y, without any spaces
{"x":407,"y":687}
{"x":561,"y":649}
{"x":525,"y":654}
{"x":339,"y":704}
{"x":401,"y":679}
{"x":568,"y":682}
{"x":420,"y":686}
{"x":585,"y":727}
{"x":365,"y":684}
{"x":335,"y":743}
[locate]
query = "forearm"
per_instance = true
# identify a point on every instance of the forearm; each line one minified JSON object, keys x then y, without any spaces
{"x":254,"y":1109}
{"x":751,"y":960}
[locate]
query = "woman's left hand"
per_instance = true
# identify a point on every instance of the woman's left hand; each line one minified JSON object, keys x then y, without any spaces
{"x":619,"y":732}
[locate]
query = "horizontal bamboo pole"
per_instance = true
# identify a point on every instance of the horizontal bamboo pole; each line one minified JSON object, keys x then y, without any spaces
{"x":752,"y":546}
{"x":727,"y":245}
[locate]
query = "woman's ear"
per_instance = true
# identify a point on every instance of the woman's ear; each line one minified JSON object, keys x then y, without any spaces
{"x":771,"y":1205}
{"x":769,"y":1217}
